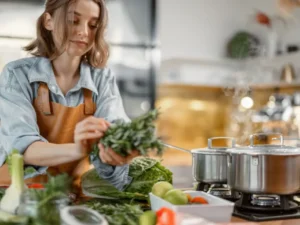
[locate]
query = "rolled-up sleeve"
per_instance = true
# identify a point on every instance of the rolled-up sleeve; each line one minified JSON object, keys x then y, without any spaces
{"x":18,"y":127}
{"x":109,"y":102}
{"x":110,"y":107}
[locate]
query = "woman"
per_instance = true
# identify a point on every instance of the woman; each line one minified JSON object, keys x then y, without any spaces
{"x":55,"y":105}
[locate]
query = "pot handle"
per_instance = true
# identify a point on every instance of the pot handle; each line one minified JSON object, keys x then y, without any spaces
{"x":210,"y":142}
{"x":252,"y":137}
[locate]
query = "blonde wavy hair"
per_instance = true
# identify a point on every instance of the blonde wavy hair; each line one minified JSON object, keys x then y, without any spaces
{"x":44,"y":45}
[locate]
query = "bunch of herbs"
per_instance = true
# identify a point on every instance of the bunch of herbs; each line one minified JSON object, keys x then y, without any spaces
{"x":139,"y":134}
{"x":48,"y":199}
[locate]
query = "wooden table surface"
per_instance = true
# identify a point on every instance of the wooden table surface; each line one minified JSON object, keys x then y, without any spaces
{"x":277,"y":222}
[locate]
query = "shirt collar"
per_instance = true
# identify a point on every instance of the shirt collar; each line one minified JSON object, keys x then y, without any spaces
{"x":41,"y":71}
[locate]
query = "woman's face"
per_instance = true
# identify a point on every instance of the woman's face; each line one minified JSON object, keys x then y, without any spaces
{"x":83,"y":18}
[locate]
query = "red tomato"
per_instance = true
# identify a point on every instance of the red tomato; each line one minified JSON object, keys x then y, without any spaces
{"x":35,"y":186}
{"x":165,"y":216}
{"x":199,"y":200}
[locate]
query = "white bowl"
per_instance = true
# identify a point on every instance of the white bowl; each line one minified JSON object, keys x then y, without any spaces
{"x":217,"y":209}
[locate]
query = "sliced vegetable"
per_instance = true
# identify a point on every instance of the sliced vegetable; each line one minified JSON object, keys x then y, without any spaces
{"x":189,"y":197}
{"x":200,"y":200}
{"x":36,"y":186}
{"x":165,"y":216}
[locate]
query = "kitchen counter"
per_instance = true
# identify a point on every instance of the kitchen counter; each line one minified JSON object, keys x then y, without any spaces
{"x":278,"y":222}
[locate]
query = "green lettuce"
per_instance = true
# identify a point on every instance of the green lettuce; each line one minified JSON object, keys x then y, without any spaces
{"x":145,"y":172}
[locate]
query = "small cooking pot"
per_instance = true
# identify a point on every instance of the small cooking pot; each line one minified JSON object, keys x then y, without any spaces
{"x":264,"y":169}
{"x":209,"y":164}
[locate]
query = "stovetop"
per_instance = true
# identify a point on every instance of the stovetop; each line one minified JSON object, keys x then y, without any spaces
{"x":219,"y":190}
{"x":256,"y":208}
{"x":266,"y":207}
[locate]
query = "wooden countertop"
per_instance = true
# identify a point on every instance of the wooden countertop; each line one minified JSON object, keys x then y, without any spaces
{"x":277,"y":222}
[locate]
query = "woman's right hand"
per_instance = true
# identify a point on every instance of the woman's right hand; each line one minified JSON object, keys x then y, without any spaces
{"x":87,"y":132}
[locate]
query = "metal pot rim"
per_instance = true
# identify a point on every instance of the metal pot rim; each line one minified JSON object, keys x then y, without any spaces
{"x":265,"y":150}
{"x":210,"y":151}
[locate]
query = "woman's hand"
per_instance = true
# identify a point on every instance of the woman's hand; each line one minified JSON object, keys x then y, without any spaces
{"x":112,"y":158}
{"x":87,"y":132}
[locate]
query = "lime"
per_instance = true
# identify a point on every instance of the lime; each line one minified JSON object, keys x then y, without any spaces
{"x":147,"y":218}
{"x":161,"y":188}
{"x":176,"y":197}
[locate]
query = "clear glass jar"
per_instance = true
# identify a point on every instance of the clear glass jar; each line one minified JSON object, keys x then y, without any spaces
{"x":29,"y":206}
{"x":81,"y":215}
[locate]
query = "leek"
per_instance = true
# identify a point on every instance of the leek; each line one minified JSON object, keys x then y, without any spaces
{"x":12,"y":196}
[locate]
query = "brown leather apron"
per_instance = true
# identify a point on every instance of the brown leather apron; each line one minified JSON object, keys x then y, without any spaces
{"x":57,"y":124}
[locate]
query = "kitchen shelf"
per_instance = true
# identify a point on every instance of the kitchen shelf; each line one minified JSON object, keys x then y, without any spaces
{"x":258,"y":72}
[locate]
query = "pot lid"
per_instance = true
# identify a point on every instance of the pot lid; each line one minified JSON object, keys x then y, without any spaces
{"x":265,"y":150}
{"x":215,"y":150}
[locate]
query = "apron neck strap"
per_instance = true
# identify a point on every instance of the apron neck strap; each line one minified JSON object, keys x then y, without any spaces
{"x":44,"y":96}
{"x":89,"y":106}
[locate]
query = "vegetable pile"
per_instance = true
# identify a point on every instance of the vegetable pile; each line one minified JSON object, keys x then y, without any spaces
{"x":117,"y":214}
{"x":139,"y":134}
{"x":145,"y":172}
{"x":166,"y":191}
{"x":43,"y":197}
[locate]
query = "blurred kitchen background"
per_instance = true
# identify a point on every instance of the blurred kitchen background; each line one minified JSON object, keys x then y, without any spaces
{"x":214,"y":68}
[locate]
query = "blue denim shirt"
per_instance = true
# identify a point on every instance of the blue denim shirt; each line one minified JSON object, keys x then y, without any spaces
{"x":18,"y":124}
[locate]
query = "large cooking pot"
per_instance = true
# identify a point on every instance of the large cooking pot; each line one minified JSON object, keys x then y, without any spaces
{"x":209,"y":164}
{"x":267,"y":169}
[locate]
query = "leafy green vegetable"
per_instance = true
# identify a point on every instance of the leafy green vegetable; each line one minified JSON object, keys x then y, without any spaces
{"x":29,"y":170}
{"x":137,"y":135}
{"x":145,"y":172}
{"x":48,"y":199}
{"x":118,"y":214}
{"x":92,"y":185}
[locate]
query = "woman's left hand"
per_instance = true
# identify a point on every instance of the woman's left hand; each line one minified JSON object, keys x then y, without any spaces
{"x":112,"y":158}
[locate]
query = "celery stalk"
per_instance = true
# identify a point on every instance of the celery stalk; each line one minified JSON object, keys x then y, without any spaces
{"x":18,"y":171}
{"x":11,"y":198}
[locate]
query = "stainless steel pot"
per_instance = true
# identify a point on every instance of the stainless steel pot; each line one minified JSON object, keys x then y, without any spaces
{"x":209,"y":164}
{"x":267,"y":169}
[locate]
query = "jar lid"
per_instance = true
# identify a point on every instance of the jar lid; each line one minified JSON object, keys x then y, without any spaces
{"x":81,"y":215}
{"x":213,"y":150}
